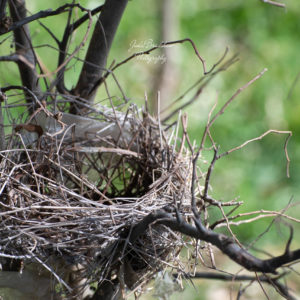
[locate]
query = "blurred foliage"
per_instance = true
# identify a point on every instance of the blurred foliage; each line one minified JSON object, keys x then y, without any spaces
{"x":264,"y":36}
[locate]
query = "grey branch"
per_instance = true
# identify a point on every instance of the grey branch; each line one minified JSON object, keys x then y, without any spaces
{"x":24,"y":47}
{"x":96,"y":57}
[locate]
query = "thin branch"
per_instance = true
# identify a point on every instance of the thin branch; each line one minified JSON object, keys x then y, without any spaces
{"x":224,"y":243}
{"x":186,"y":104}
{"x":208,"y":174}
{"x":289,"y":133}
{"x":273,"y":281}
{"x":207,"y":126}
{"x":41,"y":14}
{"x":164,"y":44}
{"x":62,"y":66}
{"x":79,"y":22}
{"x":257,"y":278}
{"x":206,"y":80}
{"x":70,"y":28}
{"x":59,"y":279}
{"x":283,"y":290}
{"x":294,"y":84}
{"x":221,"y":111}
{"x":50,"y":32}
{"x":261,"y":214}
{"x":274,"y":3}
{"x":224,"y":67}
{"x":228,"y":277}
{"x":193,"y":197}
{"x":17,"y":58}
{"x":287,"y":248}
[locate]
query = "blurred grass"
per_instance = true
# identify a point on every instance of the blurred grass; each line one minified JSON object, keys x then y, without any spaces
{"x":265,"y":37}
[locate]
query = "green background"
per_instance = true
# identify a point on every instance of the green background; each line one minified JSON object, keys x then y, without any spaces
{"x":264,"y":36}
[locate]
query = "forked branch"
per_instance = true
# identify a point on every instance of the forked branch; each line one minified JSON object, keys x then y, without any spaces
{"x":24,"y":48}
{"x":99,"y":47}
{"x":224,"y":243}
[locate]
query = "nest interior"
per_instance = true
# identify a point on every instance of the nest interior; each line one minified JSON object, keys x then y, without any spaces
{"x":72,"y":187}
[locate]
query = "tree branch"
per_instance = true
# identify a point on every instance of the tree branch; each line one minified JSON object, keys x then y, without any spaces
{"x":224,"y":243}
{"x":3,"y":4}
{"x":24,"y":47}
{"x":274,"y":3}
{"x":17,"y":58}
{"x":96,"y":57}
{"x":70,"y":28}
{"x":282,"y":289}
{"x":41,"y":14}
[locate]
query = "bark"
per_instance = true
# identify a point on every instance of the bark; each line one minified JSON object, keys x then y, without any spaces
{"x":23,"y":47}
{"x":226,"y":244}
{"x":3,"y":4}
{"x":96,"y":57}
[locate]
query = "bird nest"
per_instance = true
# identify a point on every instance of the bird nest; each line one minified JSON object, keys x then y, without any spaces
{"x":73,"y":187}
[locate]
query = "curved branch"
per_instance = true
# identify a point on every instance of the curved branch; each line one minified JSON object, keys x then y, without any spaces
{"x":224,"y":243}
{"x":18,"y":23}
